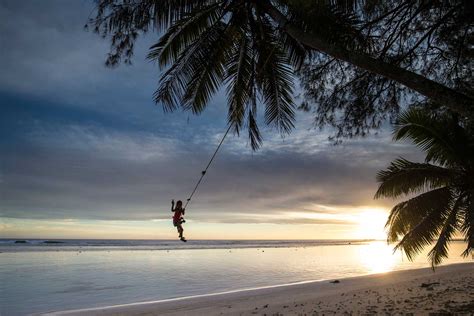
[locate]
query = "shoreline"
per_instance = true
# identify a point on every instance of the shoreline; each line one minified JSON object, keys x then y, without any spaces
{"x":316,"y":296}
{"x":170,"y":245}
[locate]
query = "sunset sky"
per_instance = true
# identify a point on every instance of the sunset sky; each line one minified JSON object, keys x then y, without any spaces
{"x":85,"y":153}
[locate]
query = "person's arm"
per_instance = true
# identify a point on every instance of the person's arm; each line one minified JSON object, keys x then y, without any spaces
{"x":183,"y":211}
{"x":172,"y":205}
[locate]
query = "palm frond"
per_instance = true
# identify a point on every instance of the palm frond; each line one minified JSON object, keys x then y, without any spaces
{"x":166,"y":12}
{"x":183,"y":33}
{"x":404,"y":177}
{"x":434,"y":136}
{"x":427,"y":229}
{"x":198,"y":72}
{"x":239,"y":79}
{"x":170,"y":88}
{"x":450,"y":226}
{"x":208,"y":72}
{"x":297,"y":53}
{"x":406,"y":215}
{"x":467,"y":227}
{"x":274,"y":79}
{"x":254,"y":132}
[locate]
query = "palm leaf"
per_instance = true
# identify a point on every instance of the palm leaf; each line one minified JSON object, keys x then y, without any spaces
{"x":434,"y":136}
{"x":297,"y":53}
{"x":207,"y":71}
{"x":405,"y":216}
{"x":468,"y":224}
{"x":427,"y":229}
{"x":274,"y":79}
{"x":166,"y":12}
{"x":440,"y":249}
{"x":197,"y":74}
{"x":254,"y":133}
{"x":170,"y":89}
{"x":405,"y":177}
{"x":239,"y":79}
{"x":183,"y":33}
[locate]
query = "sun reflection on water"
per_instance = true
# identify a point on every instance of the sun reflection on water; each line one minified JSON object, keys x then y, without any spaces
{"x":378,"y":257}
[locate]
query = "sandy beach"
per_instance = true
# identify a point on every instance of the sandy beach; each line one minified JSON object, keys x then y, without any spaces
{"x":450,"y":289}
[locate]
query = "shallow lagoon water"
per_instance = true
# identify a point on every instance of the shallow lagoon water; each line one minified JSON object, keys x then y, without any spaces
{"x":49,"y":279}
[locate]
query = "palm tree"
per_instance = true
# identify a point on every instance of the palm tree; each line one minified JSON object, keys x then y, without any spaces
{"x":252,"y":48}
{"x":444,"y":208}
{"x":207,"y":44}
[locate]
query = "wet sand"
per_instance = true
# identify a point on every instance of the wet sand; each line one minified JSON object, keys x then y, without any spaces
{"x":447,"y":291}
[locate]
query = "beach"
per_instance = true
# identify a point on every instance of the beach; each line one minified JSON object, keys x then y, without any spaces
{"x":448,"y":289}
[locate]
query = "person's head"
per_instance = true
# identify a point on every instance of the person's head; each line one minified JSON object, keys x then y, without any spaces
{"x":179,"y":204}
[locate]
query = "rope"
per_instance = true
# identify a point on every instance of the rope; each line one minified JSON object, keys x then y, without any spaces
{"x":203,"y":173}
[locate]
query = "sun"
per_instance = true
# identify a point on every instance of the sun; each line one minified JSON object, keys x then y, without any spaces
{"x":371,"y":224}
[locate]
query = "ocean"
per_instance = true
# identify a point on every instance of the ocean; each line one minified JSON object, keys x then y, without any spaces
{"x":38,"y":276}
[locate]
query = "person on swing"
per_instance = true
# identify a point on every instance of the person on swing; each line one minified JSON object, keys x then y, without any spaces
{"x":178,"y":219}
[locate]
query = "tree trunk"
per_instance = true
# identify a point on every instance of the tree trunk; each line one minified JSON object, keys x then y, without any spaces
{"x":456,"y":101}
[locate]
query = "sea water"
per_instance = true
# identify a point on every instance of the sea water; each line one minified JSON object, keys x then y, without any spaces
{"x":38,"y":276}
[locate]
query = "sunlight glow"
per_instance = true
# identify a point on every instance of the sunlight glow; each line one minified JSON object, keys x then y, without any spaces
{"x":378,"y":257}
{"x":371,"y":224}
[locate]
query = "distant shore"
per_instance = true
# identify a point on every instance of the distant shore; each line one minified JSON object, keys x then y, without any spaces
{"x":450,"y":289}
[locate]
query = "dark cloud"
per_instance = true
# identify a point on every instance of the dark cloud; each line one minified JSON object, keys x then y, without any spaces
{"x":46,"y":53}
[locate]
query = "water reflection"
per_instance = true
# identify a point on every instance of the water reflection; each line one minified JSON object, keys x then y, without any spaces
{"x":378,"y":257}
{"x":41,"y":281}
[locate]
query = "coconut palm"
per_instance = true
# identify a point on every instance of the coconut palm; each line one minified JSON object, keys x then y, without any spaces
{"x":225,"y":43}
{"x":252,"y":48}
{"x":444,"y":206}
{"x":238,"y":45}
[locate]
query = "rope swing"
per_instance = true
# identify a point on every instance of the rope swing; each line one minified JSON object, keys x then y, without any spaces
{"x":203,"y":173}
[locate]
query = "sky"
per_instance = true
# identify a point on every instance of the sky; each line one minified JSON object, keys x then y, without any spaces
{"x":85,"y":153}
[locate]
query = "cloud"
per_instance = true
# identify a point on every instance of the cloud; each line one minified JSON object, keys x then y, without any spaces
{"x":106,"y":143}
{"x":84,"y":142}
{"x":90,"y":172}
{"x":280,"y":217}
{"x":46,"y":53}
{"x":279,"y":221}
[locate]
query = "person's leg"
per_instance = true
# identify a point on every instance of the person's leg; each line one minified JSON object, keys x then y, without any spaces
{"x":180,"y":231}
{"x":176,"y":225}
